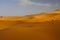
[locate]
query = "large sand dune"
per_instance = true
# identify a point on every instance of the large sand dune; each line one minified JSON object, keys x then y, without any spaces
{"x":44,"y":26}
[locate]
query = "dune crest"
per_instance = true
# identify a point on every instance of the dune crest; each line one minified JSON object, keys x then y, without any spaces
{"x":40,"y":17}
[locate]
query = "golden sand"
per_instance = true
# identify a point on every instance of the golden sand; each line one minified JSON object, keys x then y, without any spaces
{"x":44,"y":26}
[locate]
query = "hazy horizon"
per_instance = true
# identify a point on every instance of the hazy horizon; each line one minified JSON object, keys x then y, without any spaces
{"x":24,"y":7}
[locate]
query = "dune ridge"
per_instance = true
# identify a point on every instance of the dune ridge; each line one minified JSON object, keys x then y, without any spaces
{"x":40,"y":17}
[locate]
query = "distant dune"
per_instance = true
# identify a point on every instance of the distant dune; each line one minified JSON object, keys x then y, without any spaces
{"x":41,"y":26}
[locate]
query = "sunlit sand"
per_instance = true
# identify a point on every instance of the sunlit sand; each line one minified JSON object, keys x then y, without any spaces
{"x":31,"y":27}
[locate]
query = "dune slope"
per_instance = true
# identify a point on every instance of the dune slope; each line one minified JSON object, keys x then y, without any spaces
{"x":44,"y":26}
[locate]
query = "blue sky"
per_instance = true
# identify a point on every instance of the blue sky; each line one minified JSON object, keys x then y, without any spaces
{"x":24,"y":7}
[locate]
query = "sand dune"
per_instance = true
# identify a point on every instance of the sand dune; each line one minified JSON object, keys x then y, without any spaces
{"x":44,"y":26}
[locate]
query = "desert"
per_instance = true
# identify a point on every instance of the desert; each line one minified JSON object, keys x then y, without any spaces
{"x":42,"y":26}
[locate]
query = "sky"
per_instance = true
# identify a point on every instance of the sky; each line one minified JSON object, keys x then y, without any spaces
{"x":26,"y":7}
